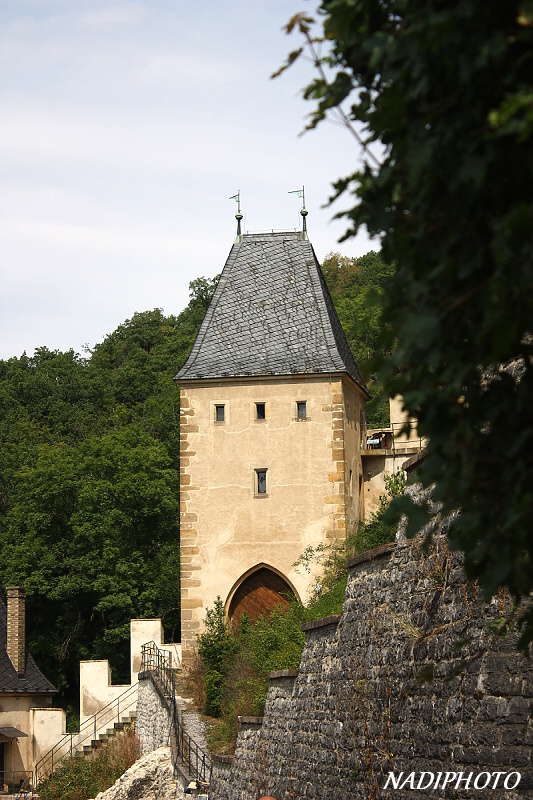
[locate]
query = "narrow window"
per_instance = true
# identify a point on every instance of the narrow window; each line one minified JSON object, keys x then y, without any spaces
{"x":219,"y":413}
{"x":261,"y":481}
{"x":302,"y":410}
{"x":260,"y":410}
{"x":350,"y":487}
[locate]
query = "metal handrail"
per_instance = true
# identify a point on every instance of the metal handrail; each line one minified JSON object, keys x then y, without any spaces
{"x":19,"y":781}
{"x":395,"y":429}
{"x":182,"y":746}
{"x":67,"y":746}
{"x":25,"y":788}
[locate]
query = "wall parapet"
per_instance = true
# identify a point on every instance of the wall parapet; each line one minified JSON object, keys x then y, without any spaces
{"x":324,"y":622}
{"x":283,"y":673}
{"x":370,"y":555}
{"x":217,"y":759}
{"x":244,"y":720}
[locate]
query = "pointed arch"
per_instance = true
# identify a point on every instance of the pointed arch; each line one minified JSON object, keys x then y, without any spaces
{"x":259,"y":591}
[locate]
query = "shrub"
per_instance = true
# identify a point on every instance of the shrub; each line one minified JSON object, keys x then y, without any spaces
{"x":84,"y":778}
{"x":216,"y":648}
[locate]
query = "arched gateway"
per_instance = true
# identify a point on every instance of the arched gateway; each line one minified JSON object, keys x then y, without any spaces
{"x":260,"y":592}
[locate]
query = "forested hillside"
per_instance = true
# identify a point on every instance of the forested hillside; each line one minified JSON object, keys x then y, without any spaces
{"x":89,"y":475}
{"x":356,"y":286}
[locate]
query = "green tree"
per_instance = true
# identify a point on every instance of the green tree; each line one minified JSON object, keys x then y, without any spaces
{"x":89,"y":488}
{"x":89,"y":532}
{"x":356,"y":286}
{"x":440,"y":97}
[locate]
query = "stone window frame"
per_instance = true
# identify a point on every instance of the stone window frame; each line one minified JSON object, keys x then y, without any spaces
{"x":214,"y":405}
{"x":257,"y":471}
{"x":257,"y":404}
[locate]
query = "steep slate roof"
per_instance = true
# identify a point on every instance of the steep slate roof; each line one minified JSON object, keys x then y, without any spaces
{"x":271,"y":314}
{"x":33,"y":681}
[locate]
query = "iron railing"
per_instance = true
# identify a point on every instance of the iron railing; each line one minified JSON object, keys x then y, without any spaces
{"x":390,"y":439}
{"x":26,"y":788}
{"x":182,"y":747}
{"x":18,"y":782}
{"x":115,"y":711}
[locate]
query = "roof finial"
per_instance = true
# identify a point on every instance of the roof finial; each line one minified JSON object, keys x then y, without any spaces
{"x":238,"y":215}
{"x":303,"y":211}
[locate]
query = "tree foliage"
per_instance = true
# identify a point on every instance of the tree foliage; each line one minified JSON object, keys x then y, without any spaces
{"x":441,"y":96}
{"x":356,"y":286}
{"x":89,"y":489}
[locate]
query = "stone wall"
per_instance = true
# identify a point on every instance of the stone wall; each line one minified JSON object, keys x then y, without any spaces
{"x":153,"y":718}
{"x":410,"y":678}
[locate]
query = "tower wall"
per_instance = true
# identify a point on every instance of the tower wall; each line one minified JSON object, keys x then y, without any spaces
{"x":227,"y":526}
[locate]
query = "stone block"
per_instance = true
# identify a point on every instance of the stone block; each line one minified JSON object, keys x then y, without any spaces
{"x":192,"y":603}
{"x":189,"y":428}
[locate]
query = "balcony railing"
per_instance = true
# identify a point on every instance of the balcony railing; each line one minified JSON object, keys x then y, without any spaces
{"x":392,"y":440}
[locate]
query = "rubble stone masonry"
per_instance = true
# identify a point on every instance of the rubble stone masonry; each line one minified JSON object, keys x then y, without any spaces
{"x":410,"y":678}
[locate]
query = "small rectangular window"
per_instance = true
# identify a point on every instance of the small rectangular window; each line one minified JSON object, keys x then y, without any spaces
{"x":260,"y":410}
{"x":302,"y":410}
{"x":261,"y":481}
{"x":219,"y":413}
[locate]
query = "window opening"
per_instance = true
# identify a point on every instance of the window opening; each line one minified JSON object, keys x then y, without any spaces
{"x":260,"y":410}
{"x":219,"y":413}
{"x":302,"y":410}
{"x":261,"y":477}
{"x":350,"y":486}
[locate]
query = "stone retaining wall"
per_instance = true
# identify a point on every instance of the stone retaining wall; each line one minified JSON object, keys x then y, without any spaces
{"x":153,"y":718}
{"x":410,"y":678}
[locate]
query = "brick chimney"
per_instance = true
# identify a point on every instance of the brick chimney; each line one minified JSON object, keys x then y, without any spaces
{"x":16,"y":635}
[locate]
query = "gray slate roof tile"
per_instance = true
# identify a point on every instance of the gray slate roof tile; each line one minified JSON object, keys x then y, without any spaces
{"x":271,"y":314}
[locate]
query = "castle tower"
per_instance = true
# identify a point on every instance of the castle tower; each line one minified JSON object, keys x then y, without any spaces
{"x":272,"y":413}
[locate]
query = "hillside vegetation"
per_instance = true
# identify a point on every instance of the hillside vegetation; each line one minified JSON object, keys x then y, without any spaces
{"x":89,"y":475}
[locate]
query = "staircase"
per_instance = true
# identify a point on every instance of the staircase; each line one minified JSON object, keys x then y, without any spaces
{"x":188,"y":757}
{"x":118,"y":715}
{"x":103,"y":737}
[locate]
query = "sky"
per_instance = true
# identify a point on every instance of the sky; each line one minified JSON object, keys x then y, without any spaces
{"x":125,"y":127}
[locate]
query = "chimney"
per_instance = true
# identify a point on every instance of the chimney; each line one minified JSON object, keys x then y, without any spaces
{"x":16,"y":638}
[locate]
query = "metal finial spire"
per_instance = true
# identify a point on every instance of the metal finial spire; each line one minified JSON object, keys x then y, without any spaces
{"x":303,"y":211}
{"x":238,"y":215}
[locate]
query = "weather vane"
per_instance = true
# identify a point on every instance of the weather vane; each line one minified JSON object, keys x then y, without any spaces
{"x":238,"y":215}
{"x":303,"y":210}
